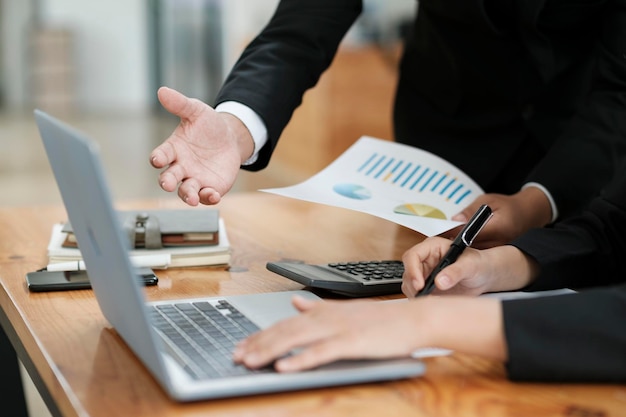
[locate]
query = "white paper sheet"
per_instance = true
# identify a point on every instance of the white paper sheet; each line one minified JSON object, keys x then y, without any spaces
{"x":396,"y":182}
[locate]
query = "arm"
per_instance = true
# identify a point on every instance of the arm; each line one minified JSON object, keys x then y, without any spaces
{"x":589,"y":338}
{"x":502,"y":268}
{"x":513,"y":215}
{"x":589,"y":149}
{"x":568,"y":338}
{"x":331,"y":330}
{"x":202,"y":157}
{"x":585,"y":154}
{"x":584,"y":147}
{"x":583,"y":251}
{"x":577,"y":337}
{"x":586,"y":250}
{"x":285,"y":60}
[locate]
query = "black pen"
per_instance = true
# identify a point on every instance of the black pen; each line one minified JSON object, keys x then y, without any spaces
{"x":462,"y":241}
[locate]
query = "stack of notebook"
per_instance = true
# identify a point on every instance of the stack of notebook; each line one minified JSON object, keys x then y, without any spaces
{"x":158,"y":239}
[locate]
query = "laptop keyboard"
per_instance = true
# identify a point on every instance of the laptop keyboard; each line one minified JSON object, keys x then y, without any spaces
{"x":203,"y":335}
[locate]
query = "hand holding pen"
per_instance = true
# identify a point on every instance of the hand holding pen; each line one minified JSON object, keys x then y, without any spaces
{"x":462,"y":241}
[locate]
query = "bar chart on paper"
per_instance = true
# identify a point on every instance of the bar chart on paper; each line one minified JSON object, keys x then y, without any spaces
{"x":400,"y":183}
{"x":415,"y":177}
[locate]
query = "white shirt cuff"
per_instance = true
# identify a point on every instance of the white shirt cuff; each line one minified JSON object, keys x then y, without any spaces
{"x":251,"y":120}
{"x":555,"y":212}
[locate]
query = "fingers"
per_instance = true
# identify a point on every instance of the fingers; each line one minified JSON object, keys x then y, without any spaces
{"x":463,"y":277}
{"x":303,"y":304}
{"x":468,"y":212}
{"x":419,"y":261}
{"x":163,"y":155}
{"x":263,"y":347}
{"x":176,"y":176}
{"x":461,"y":217}
{"x":413,"y":276}
{"x":304,"y":331}
{"x":198,"y":160}
{"x":178,"y":104}
{"x":319,"y":354}
{"x":449,"y":277}
{"x":248,"y":350}
{"x":209,"y":196}
{"x":467,"y":276}
{"x":189,"y":190}
{"x":192,"y":193}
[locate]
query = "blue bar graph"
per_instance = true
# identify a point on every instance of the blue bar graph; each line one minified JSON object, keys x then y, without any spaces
{"x":415,"y":177}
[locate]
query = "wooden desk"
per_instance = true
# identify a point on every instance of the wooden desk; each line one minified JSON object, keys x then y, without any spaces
{"x":82,"y":368}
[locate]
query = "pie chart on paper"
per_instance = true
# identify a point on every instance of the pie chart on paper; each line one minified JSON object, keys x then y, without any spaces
{"x":354,"y":191}
{"x":422,"y":210}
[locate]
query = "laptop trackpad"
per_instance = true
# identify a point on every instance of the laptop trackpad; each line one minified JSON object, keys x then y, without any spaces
{"x":268,"y":308}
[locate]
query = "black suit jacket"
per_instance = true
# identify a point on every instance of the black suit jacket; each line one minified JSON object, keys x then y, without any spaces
{"x":580,"y":337}
{"x":509,"y":91}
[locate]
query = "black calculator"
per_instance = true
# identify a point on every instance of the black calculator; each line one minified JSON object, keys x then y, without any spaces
{"x":351,"y":279}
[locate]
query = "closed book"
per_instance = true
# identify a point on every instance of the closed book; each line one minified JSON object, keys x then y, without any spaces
{"x":180,"y":256}
{"x":168,"y":228}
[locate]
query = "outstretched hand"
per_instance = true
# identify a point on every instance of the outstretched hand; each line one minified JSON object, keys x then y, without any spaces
{"x":202,"y":157}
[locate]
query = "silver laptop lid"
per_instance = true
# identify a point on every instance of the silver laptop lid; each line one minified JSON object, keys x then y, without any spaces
{"x":80,"y":177}
{"x":76,"y":164}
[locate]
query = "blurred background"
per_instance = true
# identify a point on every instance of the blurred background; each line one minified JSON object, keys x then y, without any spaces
{"x":97,"y":65}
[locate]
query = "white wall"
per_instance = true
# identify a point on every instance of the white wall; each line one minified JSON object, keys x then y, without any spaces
{"x":111,"y":50}
{"x":15,"y":15}
{"x":243,"y":19}
{"x":111,"y":45}
{"x":111,"y":55}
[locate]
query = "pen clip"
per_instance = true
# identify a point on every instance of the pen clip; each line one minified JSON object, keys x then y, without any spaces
{"x":476,"y":224}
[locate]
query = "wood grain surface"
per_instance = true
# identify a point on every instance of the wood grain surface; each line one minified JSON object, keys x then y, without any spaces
{"x":89,"y":371}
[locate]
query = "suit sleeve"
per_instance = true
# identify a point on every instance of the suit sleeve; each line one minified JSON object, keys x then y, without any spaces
{"x":577,"y":337}
{"x":589,"y":149}
{"x":568,"y":338}
{"x":285,"y":59}
{"x":586,"y":250}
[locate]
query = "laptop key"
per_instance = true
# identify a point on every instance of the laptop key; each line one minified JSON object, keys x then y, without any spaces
{"x":203,"y":336}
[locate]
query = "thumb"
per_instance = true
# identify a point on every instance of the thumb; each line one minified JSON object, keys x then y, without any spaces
{"x":466,"y":213}
{"x":449,"y":277}
{"x":177,"y":103}
{"x":303,"y":304}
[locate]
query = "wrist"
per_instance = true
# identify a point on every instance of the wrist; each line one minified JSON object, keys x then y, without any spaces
{"x":509,"y":268}
{"x":554,"y":211}
{"x":537,"y":204}
{"x":241,"y":134}
{"x":253,"y":123}
{"x":467,"y":325}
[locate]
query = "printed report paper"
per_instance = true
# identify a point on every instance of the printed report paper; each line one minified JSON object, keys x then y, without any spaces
{"x":397,"y":182}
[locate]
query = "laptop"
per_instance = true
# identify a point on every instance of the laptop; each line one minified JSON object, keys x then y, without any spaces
{"x":190,"y":366}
